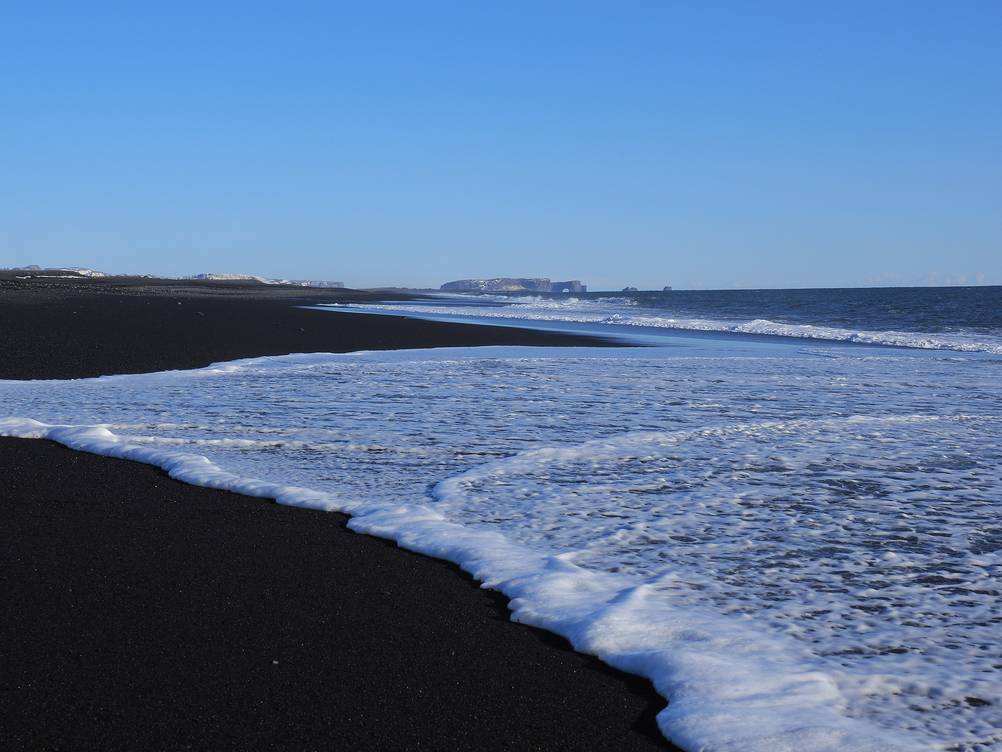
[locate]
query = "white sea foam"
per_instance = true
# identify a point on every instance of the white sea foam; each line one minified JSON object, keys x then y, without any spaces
{"x":801,"y":552}
{"x":623,"y":312}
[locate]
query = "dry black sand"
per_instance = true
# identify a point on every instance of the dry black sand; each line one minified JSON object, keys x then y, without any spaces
{"x":141,"y":613}
{"x":62,"y":329}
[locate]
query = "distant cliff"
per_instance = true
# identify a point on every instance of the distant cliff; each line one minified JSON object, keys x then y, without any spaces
{"x":267,"y":280}
{"x":514,"y":284}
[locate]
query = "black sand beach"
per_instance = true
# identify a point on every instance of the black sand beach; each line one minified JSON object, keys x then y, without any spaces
{"x":141,"y":613}
{"x":67,"y":329}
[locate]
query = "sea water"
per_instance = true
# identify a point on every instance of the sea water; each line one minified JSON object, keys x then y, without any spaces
{"x":797,"y":541}
{"x":965,"y":319}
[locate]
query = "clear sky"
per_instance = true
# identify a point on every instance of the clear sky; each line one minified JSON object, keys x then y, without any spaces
{"x":700,"y":144}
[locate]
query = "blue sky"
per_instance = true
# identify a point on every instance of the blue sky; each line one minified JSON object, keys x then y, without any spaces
{"x":698,"y":144}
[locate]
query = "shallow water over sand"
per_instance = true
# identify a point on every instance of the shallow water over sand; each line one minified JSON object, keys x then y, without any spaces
{"x":797,"y":544}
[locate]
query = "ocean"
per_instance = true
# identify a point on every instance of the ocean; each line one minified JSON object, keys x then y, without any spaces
{"x":949,"y":318}
{"x":783,"y":509}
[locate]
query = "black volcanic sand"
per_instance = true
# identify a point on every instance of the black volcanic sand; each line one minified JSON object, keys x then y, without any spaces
{"x":58,"y":329}
{"x":142,"y":613}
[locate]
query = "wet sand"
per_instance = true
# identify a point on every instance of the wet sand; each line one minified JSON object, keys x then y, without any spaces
{"x":141,"y":613}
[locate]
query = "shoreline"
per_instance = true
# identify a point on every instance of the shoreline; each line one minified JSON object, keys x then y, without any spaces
{"x":149,"y":613}
{"x":68,"y":329}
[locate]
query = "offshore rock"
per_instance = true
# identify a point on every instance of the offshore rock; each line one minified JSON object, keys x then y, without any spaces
{"x":514,"y":284}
